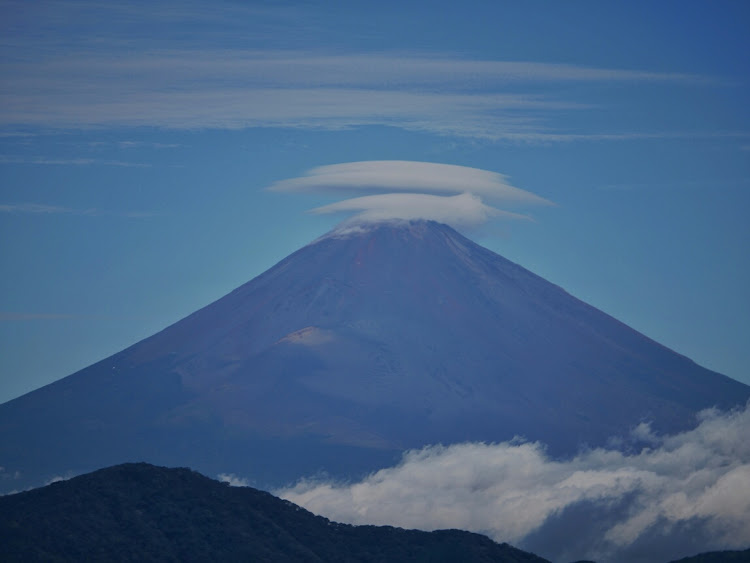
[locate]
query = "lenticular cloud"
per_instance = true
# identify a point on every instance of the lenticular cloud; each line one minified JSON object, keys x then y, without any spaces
{"x":408,"y":176}
{"x":401,"y":189}
{"x":683,"y":494}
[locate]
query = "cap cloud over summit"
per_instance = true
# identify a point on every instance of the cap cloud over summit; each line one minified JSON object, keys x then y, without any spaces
{"x":413,"y":190}
{"x":462,"y":210}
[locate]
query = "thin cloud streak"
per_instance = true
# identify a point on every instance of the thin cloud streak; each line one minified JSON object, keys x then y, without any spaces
{"x":41,"y":208}
{"x":46,"y":161}
{"x":677,"y":495}
{"x":11,"y":316}
{"x":133,"y":145}
{"x":298,"y":69}
{"x":26,"y":316}
{"x":205,"y":106}
{"x":45,"y":209}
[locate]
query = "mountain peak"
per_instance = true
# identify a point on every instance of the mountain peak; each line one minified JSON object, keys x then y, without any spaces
{"x":370,"y":341}
{"x":415,"y":227}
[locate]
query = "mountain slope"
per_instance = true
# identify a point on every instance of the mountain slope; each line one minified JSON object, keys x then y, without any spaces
{"x":138,"y":512}
{"x":352,"y":349}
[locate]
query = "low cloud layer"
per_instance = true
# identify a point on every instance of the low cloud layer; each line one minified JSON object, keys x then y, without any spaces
{"x":684,"y":494}
{"x":423,"y":190}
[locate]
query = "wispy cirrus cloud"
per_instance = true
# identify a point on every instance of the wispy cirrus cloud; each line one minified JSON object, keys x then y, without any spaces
{"x":133,"y":145}
{"x":681,"y":494}
{"x":285,"y":68}
{"x":204,"y":105}
{"x":79,"y":65}
{"x":45,"y":209}
{"x":187,"y":88}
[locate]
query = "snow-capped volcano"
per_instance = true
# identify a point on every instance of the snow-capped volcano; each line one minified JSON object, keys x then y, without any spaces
{"x":362,"y":344}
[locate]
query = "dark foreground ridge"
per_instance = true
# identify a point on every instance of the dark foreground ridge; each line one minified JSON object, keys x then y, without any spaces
{"x":139,"y":512}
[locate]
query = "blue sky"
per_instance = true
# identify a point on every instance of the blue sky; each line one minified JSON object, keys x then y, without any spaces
{"x":138,"y":140}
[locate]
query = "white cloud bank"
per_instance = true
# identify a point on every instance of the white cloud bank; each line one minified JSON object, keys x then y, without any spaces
{"x":424,"y":190}
{"x":688,"y":493}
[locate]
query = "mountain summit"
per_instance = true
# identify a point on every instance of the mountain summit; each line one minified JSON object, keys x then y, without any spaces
{"x":366,"y":342}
